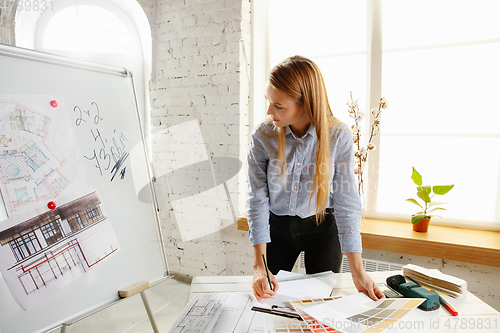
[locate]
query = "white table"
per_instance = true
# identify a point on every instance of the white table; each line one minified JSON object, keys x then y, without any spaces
{"x":474,"y":315}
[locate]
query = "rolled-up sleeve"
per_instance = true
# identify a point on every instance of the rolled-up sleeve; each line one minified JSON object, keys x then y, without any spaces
{"x":257,"y":197}
{"x":346,"y":200}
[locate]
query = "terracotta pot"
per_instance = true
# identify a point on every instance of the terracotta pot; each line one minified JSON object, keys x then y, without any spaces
{"x":422,"y":226}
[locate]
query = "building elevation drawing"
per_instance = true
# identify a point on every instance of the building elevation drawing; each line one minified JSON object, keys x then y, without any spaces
{"x":47,"y":252}
{"x":38,"y":159}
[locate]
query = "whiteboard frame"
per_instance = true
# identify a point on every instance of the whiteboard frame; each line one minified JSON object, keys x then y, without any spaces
{"x":43,"y":57}
{"x":151,"y":177}
{"x":19,"y":52}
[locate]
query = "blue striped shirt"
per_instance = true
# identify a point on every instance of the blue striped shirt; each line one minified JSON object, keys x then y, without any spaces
{"x":290,"y":193}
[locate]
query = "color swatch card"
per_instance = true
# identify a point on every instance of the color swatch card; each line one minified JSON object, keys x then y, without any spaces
{"x":358,"y":313}
{"x":314,"y":325}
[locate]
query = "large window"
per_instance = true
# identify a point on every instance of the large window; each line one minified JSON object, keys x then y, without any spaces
{"x":437,"y":64}
{"x":333,"y":34}
{"x":85,"y":29}
{"x":99,"y":32}
{"x":75,"y":222}
{"x":91,"y":212}
{"x":25,"y":246}
{"x":52,"y":231}
{"x":443,"y":78}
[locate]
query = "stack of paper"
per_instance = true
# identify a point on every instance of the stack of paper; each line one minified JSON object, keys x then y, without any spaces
{"x":300,"y":286}
{"x":436,"y":280}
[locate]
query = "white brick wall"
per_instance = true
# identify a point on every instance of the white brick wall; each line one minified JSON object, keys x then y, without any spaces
{"x":201,"y":72}
{"x":7,"y":26}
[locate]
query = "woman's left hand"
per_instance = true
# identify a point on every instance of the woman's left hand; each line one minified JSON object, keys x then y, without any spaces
{"x":366,"y":285}
{"x":361,"y":279}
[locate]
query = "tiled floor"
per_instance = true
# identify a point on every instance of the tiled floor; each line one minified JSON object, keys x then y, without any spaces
{"x":167,"y":300}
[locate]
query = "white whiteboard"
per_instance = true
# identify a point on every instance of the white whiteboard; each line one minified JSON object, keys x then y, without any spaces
{"x":100,"y":106}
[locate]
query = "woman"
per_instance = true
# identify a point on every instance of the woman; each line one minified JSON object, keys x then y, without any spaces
{"x":302,"y":193}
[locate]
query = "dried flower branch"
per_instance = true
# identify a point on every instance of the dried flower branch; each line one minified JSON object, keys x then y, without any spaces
{"x":361,"y":154}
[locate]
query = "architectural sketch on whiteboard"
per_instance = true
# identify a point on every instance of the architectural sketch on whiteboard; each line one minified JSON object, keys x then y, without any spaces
{"x":38,"y":159}
{"x":45,"y":253}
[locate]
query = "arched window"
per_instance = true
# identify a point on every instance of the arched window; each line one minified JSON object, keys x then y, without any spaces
{"x":88,"y":29}
{"x":100,"y":32}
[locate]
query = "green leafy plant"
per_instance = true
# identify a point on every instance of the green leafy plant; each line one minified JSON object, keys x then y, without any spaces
{"x":426,"y":193}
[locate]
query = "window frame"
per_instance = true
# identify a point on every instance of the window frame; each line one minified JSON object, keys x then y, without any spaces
{"x":91,"y":212}
{"x":23,"y":242}
{"x":52,"y":231}
{"x":75,"y":223}
{"x":142,"y":75}
{"x":375,"y":51}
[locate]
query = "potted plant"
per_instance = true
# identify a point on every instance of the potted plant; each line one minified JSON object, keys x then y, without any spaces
{"x":420,"y":220}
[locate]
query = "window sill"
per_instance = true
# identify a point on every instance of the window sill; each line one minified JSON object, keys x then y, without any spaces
{"x":458,"y":244}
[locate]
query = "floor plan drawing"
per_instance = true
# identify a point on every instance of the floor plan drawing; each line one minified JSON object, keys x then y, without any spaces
{"x":38,"y":159}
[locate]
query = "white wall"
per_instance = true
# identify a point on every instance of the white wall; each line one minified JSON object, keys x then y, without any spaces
{"x":200,"y":73}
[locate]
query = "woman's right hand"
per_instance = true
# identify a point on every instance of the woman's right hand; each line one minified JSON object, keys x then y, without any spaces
{"x":260,"y":284}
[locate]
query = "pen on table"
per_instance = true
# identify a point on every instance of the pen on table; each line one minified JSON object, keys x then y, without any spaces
{"x":446,"y":305}
{"x":267,"y":272}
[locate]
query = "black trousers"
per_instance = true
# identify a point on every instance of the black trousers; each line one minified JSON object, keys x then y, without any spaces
{"x":291,"y":235}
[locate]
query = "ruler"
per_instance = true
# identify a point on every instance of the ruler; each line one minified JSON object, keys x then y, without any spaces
{"x":304,"y":276}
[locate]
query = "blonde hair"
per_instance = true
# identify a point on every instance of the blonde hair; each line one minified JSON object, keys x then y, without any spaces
{"x":301,"y":79}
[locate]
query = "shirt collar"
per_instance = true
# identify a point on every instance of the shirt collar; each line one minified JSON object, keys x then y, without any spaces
{"x":311,"y":131}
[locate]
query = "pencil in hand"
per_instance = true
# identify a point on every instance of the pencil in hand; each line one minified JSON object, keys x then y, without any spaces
{"x":267,"y":272}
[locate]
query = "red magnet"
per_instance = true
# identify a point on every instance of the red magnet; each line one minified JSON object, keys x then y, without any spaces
{"x":51,"y":205}
{"x":53,"y":103}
